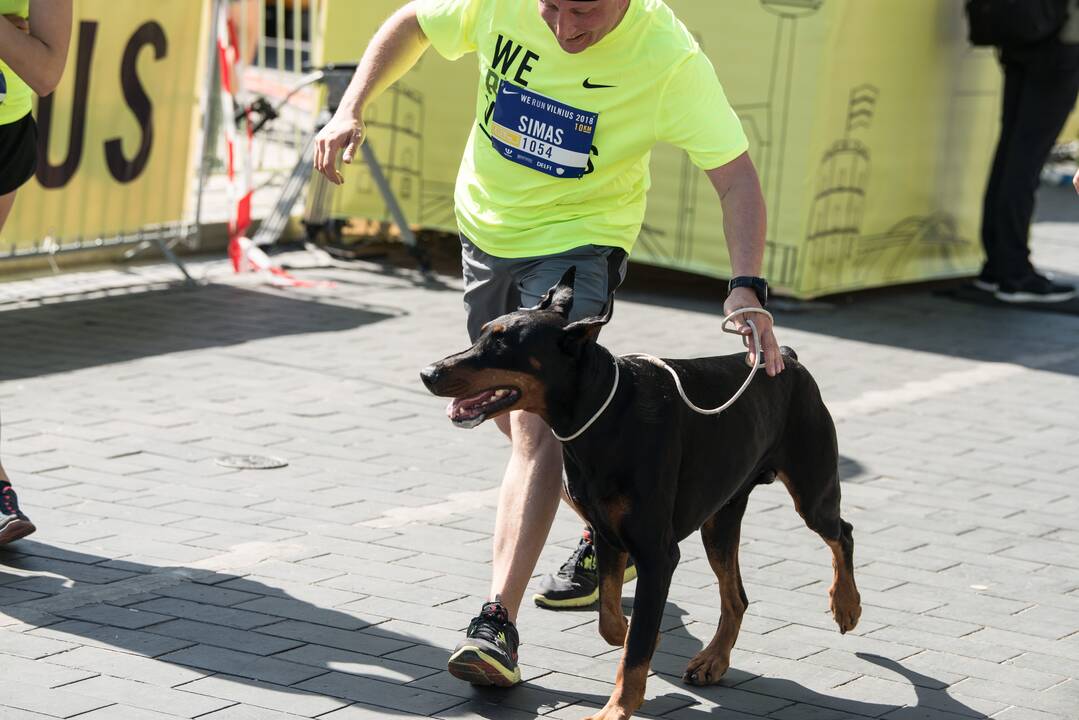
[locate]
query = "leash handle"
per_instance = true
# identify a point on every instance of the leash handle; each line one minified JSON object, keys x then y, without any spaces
{"x":729,"y":320}
{"x":728,"y":323}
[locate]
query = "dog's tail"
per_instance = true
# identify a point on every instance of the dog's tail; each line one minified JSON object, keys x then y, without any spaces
{"x":788,"y":352}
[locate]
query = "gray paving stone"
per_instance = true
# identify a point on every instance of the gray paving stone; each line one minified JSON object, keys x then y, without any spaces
{"x":126,"y":666}
{"x":109,"y":638}
{"x":315,"y":594}
{"x":30,"y":646}
{"x":41,"y":674}
{"x":344,"y":618}
{"x":527,"y":697}
{"x":352,"y":663}
{"x":421,"y":614}
{"x":243,"y":640}
{"x":148,"y":697}
{"x":250,"y":712}
{"x":73,"y":571}
{"x":129,"y":618}
{"x":201,"y":593}
{"x":178,"y":608}
{"x":388,"y":589}
{"x":1059,"y":699}
{"x":360,"y":711}
{"x":126,"y":712}
{"x":372,"y":568}
{"x":242,"y":664}
{"x":263,"y":695}
{"x":479,"y":710}
{"x":53,"y":703}
{"x":383,"y":694}
{"x":355,"y":641}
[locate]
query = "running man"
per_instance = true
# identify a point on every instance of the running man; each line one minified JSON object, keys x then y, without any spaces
{"x":573,"y":95}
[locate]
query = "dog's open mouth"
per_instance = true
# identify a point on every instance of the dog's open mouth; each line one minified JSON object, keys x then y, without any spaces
{"x":471,"y":411}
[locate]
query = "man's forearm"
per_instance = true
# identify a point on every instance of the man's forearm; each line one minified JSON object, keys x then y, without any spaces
{"x":392,"y":52}
{"x":744,"y":223}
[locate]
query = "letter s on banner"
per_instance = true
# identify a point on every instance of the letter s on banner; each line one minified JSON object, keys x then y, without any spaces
{"x":151,"y":33}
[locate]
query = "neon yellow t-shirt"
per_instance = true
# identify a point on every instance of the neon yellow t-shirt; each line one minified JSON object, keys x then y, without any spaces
{"x":646,"y":82}
{"x":17,"y":96}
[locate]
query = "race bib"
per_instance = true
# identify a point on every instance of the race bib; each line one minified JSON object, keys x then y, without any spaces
{"x":540,"y":133}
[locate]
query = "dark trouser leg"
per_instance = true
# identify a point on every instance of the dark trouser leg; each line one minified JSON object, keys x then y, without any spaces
{"x":1040,"y":88}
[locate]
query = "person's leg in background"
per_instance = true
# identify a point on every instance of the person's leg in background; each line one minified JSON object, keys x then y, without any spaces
{"x":1014,"y":79}
{"x":13,"y":522}
{"x":1047,"y":87}
{"x":6,"y":202}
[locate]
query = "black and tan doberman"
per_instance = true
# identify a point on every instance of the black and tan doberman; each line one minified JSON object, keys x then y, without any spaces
{"x":649,"y":471}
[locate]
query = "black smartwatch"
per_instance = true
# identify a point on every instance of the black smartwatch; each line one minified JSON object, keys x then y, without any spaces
{"x":759,"y":285}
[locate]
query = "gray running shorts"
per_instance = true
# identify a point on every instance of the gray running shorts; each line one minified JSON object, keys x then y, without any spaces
{"x":496,"y":286}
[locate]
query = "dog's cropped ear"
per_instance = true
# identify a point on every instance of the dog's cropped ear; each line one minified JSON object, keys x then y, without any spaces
{"x":578,"y":334}
{"x":559,"y":299}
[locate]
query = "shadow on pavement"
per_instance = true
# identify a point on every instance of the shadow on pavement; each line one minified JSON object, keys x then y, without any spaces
{"x":66,"y":336}
{"x":229,"y":637}
{"x":739,"y":687}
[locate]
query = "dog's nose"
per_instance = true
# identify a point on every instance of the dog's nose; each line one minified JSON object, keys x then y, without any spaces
{"x":430,"y":375}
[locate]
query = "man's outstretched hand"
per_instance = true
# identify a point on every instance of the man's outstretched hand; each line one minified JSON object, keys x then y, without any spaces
{"x":340,"y":134}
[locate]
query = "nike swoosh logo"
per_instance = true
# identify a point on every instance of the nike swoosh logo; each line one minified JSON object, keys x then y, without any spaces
{"x":591,"y":86}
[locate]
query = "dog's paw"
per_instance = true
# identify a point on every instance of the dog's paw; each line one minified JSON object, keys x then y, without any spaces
{"x":610,"y":714}
{"x":846,"y":607}
{"x":707,"y":668}
{"x":612,"y":711}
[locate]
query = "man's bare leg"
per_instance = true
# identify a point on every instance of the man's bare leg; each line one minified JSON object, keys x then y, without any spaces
{"x":526,"y":508}
{"x":527,"y":503}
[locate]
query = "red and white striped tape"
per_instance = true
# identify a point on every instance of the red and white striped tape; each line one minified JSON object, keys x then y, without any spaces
{"x":245,"y":255}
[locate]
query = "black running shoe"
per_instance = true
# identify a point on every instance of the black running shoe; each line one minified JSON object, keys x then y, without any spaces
{"x":1034,"y":288}
{"x":576,"y":585}
{"x":13,"y":522}
{"x":488,"y":654}
{"x":986,"y":282}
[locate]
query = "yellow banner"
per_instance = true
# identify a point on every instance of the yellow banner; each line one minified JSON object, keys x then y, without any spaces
{"x":872,"y":125}
{"x":117,"y":132}
{"x":1071,"y":128}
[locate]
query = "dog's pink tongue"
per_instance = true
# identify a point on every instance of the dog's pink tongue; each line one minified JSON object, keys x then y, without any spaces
{"x":463,"y":407}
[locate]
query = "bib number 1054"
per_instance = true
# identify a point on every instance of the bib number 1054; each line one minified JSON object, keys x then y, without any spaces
{"x":538,"y":148}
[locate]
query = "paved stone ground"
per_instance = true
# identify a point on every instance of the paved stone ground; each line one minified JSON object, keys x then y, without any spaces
{"x":162,"y":585}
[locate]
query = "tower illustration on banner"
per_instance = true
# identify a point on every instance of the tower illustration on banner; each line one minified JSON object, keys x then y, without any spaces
{"x":766,"y":121}
{"x":780,"y":258}
{"x":395,"y":128}
{"x":839,"y":255}
{"x":835,"y":219}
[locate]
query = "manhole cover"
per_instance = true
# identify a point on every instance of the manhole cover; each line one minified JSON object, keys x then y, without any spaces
{"x":251,"y":462}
